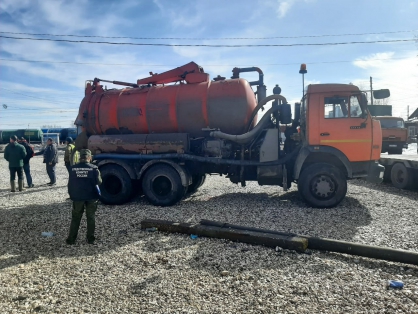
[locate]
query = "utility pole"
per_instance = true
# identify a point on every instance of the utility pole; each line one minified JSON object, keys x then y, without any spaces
{"x":371,"y":90}
{"x":407,"y":112}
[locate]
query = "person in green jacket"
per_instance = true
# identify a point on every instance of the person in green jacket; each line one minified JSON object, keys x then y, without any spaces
{"x":14,"y":153}
{"x":71,"y":155}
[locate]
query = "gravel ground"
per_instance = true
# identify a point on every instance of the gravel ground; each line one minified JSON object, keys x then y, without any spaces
{"x":132,"y":271}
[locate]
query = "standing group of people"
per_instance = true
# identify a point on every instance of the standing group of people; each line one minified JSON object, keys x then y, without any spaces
{"x":83,"y":183}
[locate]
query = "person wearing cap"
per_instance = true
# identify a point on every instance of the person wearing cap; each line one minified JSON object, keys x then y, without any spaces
{"x":70,"y":156}
{"x":26,"y":166}
{"x":14,"y":153}
{"x":83,"y":188}
{"x":50,"y":153}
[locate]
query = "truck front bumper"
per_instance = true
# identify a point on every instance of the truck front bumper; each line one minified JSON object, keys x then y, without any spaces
{"x":376,"y":172}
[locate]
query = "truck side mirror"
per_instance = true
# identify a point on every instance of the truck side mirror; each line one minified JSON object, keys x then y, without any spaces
{"x":381,"y":93}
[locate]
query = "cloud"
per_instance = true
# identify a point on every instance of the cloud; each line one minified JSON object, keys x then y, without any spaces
{"x":374,"y":60}
{"x":180,"y":15}
{"x":12,"y":6}
{"x":397,"y":74}
{"x":65,"y":16}
{"x":284,"y":7}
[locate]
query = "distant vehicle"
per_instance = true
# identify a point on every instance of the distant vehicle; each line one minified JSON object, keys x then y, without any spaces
{"x":63,"y":133}
{"x":394,"y":134}
{"x":68,"y":132}
{"x":31,"y":135}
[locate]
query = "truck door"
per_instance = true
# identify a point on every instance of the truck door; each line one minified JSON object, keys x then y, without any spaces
{"x":345,"y":125}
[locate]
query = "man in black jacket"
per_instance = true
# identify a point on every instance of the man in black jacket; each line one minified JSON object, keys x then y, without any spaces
{"x":14,"y":153}
{"x":83,"y":187}
{"x":26,"y":165}
{"x":50,"y":154}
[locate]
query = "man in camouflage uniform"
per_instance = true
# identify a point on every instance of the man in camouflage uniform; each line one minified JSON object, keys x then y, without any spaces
{"x":83,"y":187}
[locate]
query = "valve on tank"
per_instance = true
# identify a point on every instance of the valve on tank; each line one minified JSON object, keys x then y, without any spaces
{"x":285,"y":112}
{"x":277,"y":90}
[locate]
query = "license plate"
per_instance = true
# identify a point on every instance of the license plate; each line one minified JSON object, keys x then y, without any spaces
{"x":393,"y":145}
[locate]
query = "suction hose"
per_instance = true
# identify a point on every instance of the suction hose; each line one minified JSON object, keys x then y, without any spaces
{"x":262,"y":104}
{"x":246,"y":137}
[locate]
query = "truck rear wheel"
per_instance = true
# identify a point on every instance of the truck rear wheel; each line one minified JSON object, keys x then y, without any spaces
{"x":197,"y":182}
{"x":322,"y":185}
{"x":116,"y":187}
{"x":162,"y":185}
{"x":400,"y":176}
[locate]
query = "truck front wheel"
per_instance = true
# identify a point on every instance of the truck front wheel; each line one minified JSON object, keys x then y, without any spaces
{"x":116,"y":187}
{"x":322,"y":185}
{"x":162,"y":186}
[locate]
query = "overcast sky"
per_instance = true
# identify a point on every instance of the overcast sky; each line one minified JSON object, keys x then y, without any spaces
{"x":54,"y":73}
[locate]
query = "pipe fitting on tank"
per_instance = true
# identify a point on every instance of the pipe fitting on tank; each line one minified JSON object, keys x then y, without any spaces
{"x":237,"y":71}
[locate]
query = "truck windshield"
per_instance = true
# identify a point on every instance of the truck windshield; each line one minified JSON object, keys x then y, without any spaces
{"x":391,"y":124}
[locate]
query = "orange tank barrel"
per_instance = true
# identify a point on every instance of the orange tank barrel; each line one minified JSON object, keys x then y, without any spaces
{"x":181,"y":108}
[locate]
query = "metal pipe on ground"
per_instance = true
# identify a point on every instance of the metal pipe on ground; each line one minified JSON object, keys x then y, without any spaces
{"x":260,"y":238}
{"x":272,"y":238}
{"x":337,"y":246}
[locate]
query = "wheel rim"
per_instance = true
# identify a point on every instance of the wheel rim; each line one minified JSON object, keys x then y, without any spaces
{"x":112,"y":184}
{"x":323,"y":187}
{"x":162,"y":186}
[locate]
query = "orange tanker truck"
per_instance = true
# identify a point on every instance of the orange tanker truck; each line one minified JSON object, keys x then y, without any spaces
{"x":163,"y":134}
{"x":394,"y":134}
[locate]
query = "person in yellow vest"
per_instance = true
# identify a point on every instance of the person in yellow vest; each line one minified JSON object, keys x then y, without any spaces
{"x":70,"y":156}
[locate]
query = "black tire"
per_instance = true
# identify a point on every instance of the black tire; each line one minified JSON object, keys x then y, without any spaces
{"x":197,"y":182}
{"x":116,"y":187}
{"x":162,"y":186}
{"x":401,"y":177}
{"x":332,"y":189}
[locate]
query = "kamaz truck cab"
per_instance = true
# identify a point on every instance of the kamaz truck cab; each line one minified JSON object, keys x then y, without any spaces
{"x":340,"y":141}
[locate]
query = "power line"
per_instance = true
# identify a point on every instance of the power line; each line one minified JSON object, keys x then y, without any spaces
{"x":204,"y":65}
{"x":209,"y":46}
{"x":38,"y":109}
{"x":48,"y":100}
{"x":17,"y":123}
{"x":208,"y":38}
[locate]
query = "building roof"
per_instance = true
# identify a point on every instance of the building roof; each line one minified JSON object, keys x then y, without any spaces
{"x":413,"y":115}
